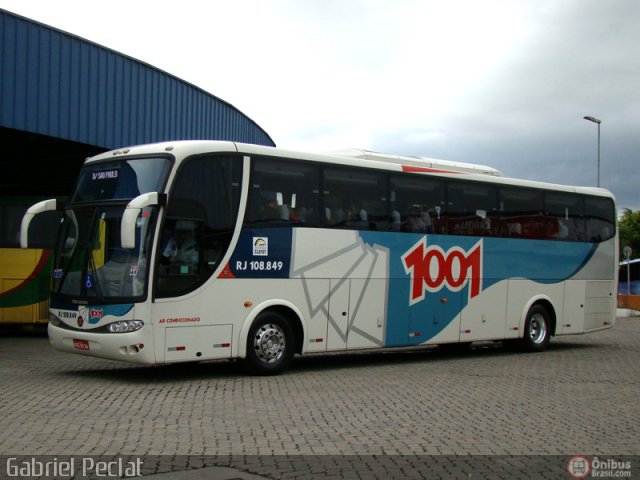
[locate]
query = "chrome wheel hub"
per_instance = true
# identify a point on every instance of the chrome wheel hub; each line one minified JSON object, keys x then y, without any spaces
{"x":269,"y":343}
{"x":537,"y":328}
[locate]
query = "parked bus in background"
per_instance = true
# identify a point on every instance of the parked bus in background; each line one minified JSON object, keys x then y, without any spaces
{"x":629,"y":284}
{"x":25,"y":274}
{"x":188,"y":251}
{"x":629,"y":277}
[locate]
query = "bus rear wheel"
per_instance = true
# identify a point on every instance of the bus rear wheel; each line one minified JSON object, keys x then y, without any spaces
{"x":270,"y":344}
{"x":537,"y":329}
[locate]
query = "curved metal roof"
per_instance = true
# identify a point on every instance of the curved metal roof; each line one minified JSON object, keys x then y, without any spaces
{"x":59,"y":85}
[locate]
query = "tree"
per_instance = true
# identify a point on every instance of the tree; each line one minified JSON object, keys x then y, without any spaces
{"x":629,"y":226}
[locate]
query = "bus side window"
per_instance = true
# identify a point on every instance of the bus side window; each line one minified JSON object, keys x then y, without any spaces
{"x":356,"y":199}
{"x":416,"y":204}
{"x":40,"y":230}
{"x":181,"y":250}
{"x":522,"y":213}
{"x":283,"y":193}
{"x":201,"y":215}
{"x":472,"y":209}
{"x":600,"y":219}
{"x":565,"y":216}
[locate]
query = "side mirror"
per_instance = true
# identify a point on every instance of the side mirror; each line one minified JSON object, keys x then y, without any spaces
{"x":130,"y":216}
{"x":40,"y":207}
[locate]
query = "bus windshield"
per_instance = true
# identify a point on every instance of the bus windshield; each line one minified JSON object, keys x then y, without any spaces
{"x":90,"y":262}
{"x":120,"y":179}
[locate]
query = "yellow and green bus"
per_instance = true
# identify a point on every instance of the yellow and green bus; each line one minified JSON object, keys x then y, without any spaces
{"x":25,"y":274}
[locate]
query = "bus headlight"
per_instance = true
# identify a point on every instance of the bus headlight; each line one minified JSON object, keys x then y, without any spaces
{"x":54,"y":320}
{"x":125,"y":326}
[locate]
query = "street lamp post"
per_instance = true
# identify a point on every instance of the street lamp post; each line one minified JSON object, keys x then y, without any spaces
{"x":598,"y":122}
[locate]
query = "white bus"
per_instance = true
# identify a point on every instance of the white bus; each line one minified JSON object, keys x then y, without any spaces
{"x":199,"y":250}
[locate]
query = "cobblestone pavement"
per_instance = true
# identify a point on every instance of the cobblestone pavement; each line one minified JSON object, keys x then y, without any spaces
{"x":394,"y":414}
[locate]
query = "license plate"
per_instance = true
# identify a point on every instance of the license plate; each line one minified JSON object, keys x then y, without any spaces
{"x":80,"y":344}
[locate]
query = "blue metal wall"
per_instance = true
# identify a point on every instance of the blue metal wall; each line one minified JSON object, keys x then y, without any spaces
{"x":59,"y":85}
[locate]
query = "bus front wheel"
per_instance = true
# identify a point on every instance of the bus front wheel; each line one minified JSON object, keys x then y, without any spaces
{"x":537,"y":329}
{"x":270,"y":344}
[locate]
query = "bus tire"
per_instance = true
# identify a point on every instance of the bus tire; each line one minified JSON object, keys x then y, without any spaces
{"x":270,"y":344}
{"x":537,"y":329}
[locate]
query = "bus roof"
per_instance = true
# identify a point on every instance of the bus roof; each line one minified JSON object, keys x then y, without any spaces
{"x":353,"y":158}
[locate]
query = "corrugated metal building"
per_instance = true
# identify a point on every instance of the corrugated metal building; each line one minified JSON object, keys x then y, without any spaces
{"x":63,"y":98}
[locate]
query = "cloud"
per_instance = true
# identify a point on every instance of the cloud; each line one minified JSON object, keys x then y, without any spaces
{"x":525,"y":115}
{"x":495,"y":82}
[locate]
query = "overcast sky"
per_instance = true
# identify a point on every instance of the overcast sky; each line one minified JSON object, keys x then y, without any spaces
{"x":504,"y":83}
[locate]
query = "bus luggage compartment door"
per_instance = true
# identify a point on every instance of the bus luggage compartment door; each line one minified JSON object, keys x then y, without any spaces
{"x":185,"y":344}
{"x":338,"y":314}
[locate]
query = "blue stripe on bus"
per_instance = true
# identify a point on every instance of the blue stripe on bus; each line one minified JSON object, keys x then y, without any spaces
{"x":115,"y":310}
{"x":502,"y":259}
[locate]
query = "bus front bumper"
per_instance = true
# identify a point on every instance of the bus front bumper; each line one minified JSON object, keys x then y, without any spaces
{"x":134,"y":347}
